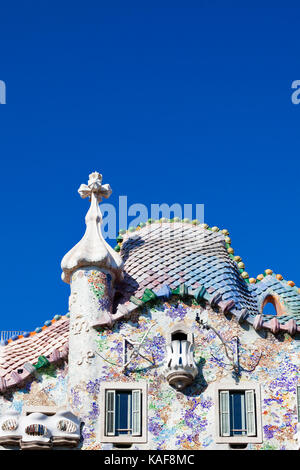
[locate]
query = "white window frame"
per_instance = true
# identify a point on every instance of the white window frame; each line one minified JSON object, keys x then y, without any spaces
{"x":118,"y":386}
{"x":298,"y":401}
{"x":242,"y":387}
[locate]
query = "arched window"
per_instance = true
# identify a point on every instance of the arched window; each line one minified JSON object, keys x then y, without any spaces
{"x":179,"y":335}
{"x":180,"y":332}
{"x":271,"y":306}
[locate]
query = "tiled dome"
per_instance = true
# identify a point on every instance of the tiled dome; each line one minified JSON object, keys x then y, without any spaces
{"x":179,"y":253}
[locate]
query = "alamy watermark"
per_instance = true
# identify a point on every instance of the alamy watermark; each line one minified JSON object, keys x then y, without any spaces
{"x":134,"y":214}
{"x":295,"y":97}
{"x":2,"y":92}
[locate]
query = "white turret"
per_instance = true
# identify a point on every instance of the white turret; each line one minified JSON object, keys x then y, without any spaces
{"x":91,"y":267}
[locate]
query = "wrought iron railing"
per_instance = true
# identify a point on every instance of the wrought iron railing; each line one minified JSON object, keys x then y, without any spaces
{"x":6,"y":335}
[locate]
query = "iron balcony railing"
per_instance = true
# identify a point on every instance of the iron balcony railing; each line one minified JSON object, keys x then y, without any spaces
{"x":6,"y":335}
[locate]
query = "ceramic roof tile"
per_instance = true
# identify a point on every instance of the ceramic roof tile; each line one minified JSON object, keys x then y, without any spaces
{"x":15,"y":354}
{"x":289,"y":296}
{"x":185,"y":254}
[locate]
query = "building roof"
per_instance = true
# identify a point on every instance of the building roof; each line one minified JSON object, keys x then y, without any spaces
{"x":21,"y":356}
{"x":180,"y":253}
{"x":174,"y":254}
{"x":161,"y":259}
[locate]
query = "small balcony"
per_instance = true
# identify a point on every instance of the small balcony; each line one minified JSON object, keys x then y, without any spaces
{"x":180,"y":369}
{"x":6,"y":335}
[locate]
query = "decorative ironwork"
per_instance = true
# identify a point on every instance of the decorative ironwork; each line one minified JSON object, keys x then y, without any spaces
{"x":6,"y":335}
{"x":233,"y":355}
{"x":136,"y":347}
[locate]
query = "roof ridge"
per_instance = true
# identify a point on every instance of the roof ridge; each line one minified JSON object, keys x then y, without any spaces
{"x":195,"y":222}
{"x":236,"y":258}
{"x":279,"y":277}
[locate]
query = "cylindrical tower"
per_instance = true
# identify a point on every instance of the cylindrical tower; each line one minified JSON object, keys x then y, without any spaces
{"x":91,"y":268}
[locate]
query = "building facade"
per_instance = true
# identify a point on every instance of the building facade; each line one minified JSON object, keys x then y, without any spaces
{"x":168,"y":344}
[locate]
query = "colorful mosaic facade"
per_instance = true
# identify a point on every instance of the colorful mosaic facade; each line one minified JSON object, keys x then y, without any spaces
{"x":174,"y":326}
{"x":180,"y":420}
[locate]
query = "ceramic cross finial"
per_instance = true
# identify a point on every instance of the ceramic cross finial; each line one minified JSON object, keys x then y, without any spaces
{"x":92,"y":249}
{"x":95,"y":187}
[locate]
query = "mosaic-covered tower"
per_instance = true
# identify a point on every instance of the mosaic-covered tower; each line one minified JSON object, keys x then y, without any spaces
{"x":91,"y":267}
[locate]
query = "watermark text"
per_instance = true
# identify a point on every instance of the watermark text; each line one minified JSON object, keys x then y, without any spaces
{"x":132,"y":215}
{"x":2,"y":92}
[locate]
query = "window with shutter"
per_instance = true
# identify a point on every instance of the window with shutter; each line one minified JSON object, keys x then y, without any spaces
{"x":136,"y":412}
{"x":124,"y":409}
{"x":124,"y":419}
{"x":237,"y":413}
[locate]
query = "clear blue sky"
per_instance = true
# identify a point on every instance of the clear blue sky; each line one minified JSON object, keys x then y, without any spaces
{"x":186,"y":102}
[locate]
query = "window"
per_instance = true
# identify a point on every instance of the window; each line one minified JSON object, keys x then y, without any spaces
{"x":238,"y":413}
{"x":179,"y":336}
{"x":124,"y":417}
{"x":271,"y":306}
{"x":179,"y":348}
{"x":123,"y":412}
{"x":179,"y":332}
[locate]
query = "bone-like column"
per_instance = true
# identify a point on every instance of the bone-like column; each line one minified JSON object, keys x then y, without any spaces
{"x":91,"y":268}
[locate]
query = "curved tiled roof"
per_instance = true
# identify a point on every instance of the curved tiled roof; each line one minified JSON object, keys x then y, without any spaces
{"x":20,"y":358}
{"x":165,"y":257}
{"x":180,"y":253}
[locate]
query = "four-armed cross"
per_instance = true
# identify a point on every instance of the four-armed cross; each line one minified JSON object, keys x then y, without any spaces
{"x":95,"y":187}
